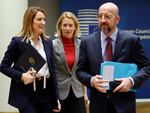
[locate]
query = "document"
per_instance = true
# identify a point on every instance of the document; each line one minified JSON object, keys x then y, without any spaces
{"x":30,"y":58}
{"x":108,"y":74}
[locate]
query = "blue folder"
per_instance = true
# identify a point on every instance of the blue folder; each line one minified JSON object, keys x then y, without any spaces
{"x":121,"y":70}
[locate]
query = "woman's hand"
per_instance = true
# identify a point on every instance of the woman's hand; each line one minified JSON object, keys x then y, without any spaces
{"x":28,"y":77}
{"x":58,"y":107}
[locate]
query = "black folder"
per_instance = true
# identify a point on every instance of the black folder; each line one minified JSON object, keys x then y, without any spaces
{"x":30,"y":58}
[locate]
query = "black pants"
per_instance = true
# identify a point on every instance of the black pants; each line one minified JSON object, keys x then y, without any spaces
{"x":41,"y":107}
{"x":39,"y":101}
{"x":72,"y":104}
{"x":110,"y":105}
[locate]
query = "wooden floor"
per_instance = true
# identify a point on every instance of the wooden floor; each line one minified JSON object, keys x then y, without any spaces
{"x":9,"y":112}
{"x":143,"y":107}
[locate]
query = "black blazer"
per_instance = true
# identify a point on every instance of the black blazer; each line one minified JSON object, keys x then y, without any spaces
{"x":19,"y":93}
{"x":127,"y":50}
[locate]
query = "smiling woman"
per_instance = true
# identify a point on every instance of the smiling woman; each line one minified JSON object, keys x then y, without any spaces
{"x":66,"y":49}
{"x":22,"y":90}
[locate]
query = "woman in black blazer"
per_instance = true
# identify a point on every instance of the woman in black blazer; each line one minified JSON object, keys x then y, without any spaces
{"x":42,"y":97}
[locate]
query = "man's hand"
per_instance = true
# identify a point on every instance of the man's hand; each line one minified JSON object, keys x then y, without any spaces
{"x":125,"y":85}
{"x":97,"y":82}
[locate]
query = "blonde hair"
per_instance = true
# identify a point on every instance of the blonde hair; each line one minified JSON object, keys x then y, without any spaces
{"x":68,"y":15}
{"x":27,"y":30}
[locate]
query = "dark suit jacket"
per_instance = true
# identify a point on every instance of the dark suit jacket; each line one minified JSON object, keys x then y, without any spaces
{"x":127,"y":50}
{"x":20,"y":93}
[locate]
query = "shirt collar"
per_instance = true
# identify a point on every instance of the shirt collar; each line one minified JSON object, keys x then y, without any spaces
{"x":39,"y":41}
{"x":113,"y":35}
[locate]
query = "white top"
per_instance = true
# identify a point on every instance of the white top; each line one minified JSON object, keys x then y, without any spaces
{"x":44,"y":71}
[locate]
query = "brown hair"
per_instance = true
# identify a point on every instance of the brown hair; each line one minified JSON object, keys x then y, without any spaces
{"x":27,"y":30}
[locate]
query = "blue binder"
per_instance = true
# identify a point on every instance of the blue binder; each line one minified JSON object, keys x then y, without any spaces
{"x":118,"y":70}
{"x":121,"y":70}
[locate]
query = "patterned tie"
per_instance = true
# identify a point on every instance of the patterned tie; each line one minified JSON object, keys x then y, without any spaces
{"x":108,"y":49}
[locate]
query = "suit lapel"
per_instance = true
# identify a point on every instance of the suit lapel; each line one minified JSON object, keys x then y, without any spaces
{"x":77,"y":47}
{"x":47,"y":50}
{"x":97,"y":46}
{"x":61,"y":52}
{"x":118,"y":45}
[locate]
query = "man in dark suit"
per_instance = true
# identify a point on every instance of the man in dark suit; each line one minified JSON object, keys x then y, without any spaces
{"x":126,"y":48}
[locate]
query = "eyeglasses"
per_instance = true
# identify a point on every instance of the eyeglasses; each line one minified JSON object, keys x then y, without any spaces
{"x":105,"y":17}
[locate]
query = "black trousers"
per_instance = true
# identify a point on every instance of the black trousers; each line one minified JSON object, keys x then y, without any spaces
{"x":72,"y":104}
{"x":110,"y":106}
{"x":39,"y":101}
{"x":41,"y":107}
